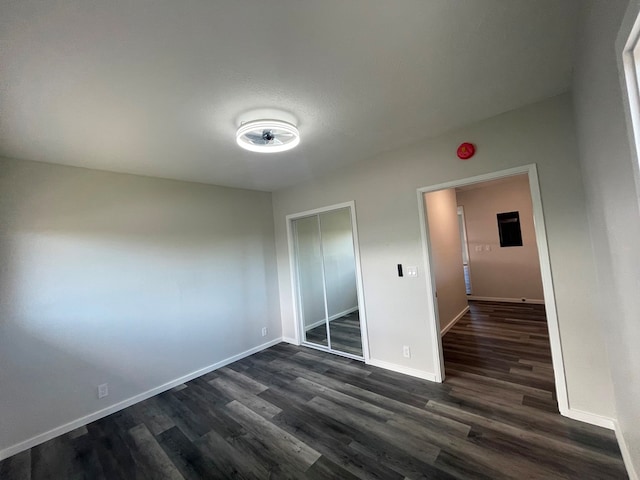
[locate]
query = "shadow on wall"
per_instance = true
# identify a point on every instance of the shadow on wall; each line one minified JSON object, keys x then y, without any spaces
{"x":124,"y":280}
{"x":107,"y":297}
{"x":34,"y":378}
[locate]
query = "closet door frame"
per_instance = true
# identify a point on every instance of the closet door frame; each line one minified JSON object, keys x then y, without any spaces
{"x":293,"y":264}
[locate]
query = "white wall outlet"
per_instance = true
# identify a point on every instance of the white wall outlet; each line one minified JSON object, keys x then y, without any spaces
{"x":103,"y":390}
{"x":406,"y":351}
{"x":264,"y":331}
{"x":412,"y":271}
{"x":478,"y":248}
{"x":487,"y":248}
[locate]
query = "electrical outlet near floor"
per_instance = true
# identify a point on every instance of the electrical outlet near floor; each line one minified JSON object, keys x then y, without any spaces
{"x":264,"y":331}
{"x":406,"y":351}
{"x":103,"y":390}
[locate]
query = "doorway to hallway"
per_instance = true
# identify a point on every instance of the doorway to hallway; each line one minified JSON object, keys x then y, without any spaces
{"x":483,"y":249}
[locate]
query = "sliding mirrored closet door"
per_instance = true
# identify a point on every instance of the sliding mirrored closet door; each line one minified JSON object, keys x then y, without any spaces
{"x":327,"y":281}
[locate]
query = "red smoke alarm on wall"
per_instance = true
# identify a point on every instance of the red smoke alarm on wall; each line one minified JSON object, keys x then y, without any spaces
{"x":466,"y":151}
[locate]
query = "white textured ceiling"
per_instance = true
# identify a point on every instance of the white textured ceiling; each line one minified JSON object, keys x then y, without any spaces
{"x":158,"y":87}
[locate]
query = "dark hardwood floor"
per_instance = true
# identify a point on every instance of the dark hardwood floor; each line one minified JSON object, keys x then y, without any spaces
{"x":345,"y":334}
{"x":503,"y":348}
{"x":292,"y":412}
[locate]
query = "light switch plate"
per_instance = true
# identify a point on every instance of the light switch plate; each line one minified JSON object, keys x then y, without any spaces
{"x":411,"y":271}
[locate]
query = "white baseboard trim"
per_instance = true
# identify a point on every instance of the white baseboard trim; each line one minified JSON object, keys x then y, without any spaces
{"x":402,"y":369}
{"x":290,"y":340}
{"x":331,"y":318}
{"x":505,"y":299}
{"x":626,"y":454}
{"x":67,"y":427}
{"x":455,"y":320}
{"x":592,"y":418}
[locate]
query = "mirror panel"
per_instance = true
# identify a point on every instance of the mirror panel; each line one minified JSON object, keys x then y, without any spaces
{"x":340,"y":280}
{"x":310,"y":280}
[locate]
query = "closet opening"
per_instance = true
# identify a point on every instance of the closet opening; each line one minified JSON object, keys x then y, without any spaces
{"x":327,"y":281}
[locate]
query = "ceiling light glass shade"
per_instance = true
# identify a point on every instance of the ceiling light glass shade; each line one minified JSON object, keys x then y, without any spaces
{"x":267,"y":136}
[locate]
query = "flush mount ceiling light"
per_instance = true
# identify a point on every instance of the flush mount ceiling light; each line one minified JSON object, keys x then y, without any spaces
{"x":267,"y":136}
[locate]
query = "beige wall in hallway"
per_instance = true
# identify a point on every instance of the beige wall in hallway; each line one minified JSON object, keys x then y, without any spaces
{"x":501,"y":272}
{"x":446,"y":254}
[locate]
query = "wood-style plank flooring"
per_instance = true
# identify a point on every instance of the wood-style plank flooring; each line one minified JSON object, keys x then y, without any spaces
{"x":345,"y":334}
{"x":506,"y":346}
{"x":292,"y":412}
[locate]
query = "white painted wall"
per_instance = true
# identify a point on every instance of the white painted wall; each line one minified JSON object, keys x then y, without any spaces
{"x":446,"y":254}
{"x":125,"y":280}
{"x":612,"y":201}
{"x":384,"y":189}
{"x":501,"y":272}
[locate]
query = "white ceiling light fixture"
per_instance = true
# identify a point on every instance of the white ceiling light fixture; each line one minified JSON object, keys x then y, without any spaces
{"x":267,"y":136}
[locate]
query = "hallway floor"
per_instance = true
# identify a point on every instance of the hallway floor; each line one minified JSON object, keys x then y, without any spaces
{"x":502,"y":346}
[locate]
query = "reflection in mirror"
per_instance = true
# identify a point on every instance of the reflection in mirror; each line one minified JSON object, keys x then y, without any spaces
{"x":311,"y":279}
{"x":340,"y":280}
{"x":327,"y":288}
